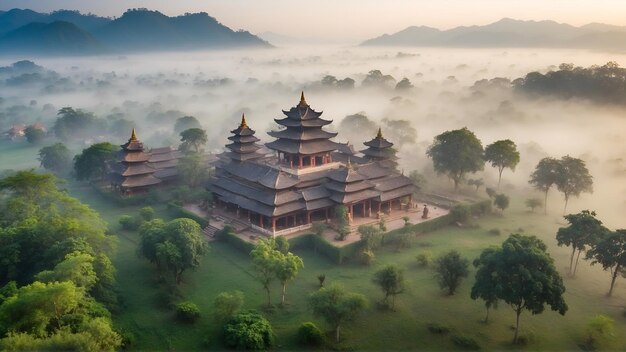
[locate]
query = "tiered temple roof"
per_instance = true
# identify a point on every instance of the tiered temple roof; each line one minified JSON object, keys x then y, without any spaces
{"x":303,"y":133}
{"x":244,"y":144}
{"x":380,"y":149}
{"x":133,"y":170}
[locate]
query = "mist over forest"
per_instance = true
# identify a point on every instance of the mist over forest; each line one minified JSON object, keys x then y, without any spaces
{"x":412,"y":94}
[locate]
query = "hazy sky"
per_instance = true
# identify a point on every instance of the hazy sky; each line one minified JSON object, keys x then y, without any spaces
{"x":352,"y":19}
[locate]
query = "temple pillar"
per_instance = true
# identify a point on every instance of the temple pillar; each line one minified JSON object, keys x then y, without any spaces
{"x":364,"y":214}
{"x":300,"y":158}
{"x":261,"y":220}
{"x":273,"y":224}
{"x":294,"y":221}
{"x":313,"y":161}
{"x":326,"y":213}
{"x":308,"y":217}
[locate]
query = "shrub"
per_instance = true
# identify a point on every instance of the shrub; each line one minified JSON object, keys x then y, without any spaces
{"x":482,"y":208}
{"x":465,"y":342}
{"x":147,"y":213}
{"x":321,"y":278}
{"x":437,"y":328}
{"x":367,"y":257}
{"x":491,"y":192}
{"x":424,"y":259}
{"x":129,"y":223}
{"x":187,"y":312}
{"x":310,"y":335}
{"x":227,"y":304}
{"x":248,"y":331}
{"x":402,"y":241}
{"x":461,"y":213}
{"x":223,"y":234}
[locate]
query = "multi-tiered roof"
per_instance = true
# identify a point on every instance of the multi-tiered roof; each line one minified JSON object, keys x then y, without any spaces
{"x":380,"y":149}
{"x":133,"y":171}
{"x":243,"y":144}
{"x":303,"y":133}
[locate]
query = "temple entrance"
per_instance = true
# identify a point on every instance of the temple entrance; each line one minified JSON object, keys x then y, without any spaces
{"x":319,"y":215}
{"x":359,"y":210}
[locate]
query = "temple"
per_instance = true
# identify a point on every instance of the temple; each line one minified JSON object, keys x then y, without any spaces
{"x":136,"y":170}
{"x":302,"y":175}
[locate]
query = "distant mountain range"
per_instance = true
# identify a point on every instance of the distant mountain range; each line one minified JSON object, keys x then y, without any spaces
{"x":510,"y":33}
{"x":70,"y":32}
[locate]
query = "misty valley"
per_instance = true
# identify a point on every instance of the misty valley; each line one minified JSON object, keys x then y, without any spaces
{"x":313,"y":197}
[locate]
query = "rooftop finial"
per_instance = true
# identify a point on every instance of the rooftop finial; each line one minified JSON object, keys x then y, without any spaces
{"x":302,"y":100}
{"x":379,"y":135}
{"x":133,"y":135}
{"x":244,"y":124}
{"x":349,"y":164}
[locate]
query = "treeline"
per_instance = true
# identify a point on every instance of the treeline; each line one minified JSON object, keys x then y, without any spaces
{"x":600,"y":84}
{"x":57,"y":281}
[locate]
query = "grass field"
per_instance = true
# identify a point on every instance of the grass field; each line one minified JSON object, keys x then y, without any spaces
{"x":226,"y":268}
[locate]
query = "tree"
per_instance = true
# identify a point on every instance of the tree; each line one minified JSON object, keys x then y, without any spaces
{"x":476,"y":183}
{"x":450,"y":269}
{"x":176,"y":246}
{"x":266,"y":259}
{"x":533,"y":203}
{"x":77,"y":268}
{"x":34,"y":135}
{"x":401,"y":131}
{"x":485,"y":287}
{"x":77,"y":124}
{"x":502,"y":154}
{"x":391,"y":282}
{"x":501,"y":201}
{"x":185,"y":123}
{"x":227,"y":304}
{"x":546,"y":175}
{"x":282,"y":244}
{"x":337,"y":306}
{"x":91,"y":163}
{"x":341,"y":221}
{"x":404,"y":84}
{"x":599,"y":328}
{"x":55,"y":157}
{"x":520,"y":273}
{"x":370,"y":236}
{"x":419,"y":181}
{"x":375,"y":78}
{"x":610,"y":252}
{"x":192,"y":138}
{"x":286,"y":270}
{"x":584,"y":230}
{"x":193,"y":169}
{"x":456,"y":153}
{"x":248,"y":331}
{"x":574,"y":178}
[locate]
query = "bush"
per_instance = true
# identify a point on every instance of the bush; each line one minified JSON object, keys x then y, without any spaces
{"x":367,"y":257}
{"x":461,"y":213}
{"x":248,"y":331}
{"x":222,"y":235}
{"x":424,"y":259}
{"x":129,"y":223}
{"x":465,"y":342}
{"x":187,"y":312}
{"x":227,"y":304}
{"x":437,"y":328}
{"x":310,"y":335}
{"x":147,"y":213}
{"x":481,"y":208}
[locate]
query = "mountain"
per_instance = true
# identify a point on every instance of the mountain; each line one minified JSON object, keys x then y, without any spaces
{"x":57,"y":38}
{"x":510,"y":33}
{"x":143,"y":29}
{"x":15,"y":18}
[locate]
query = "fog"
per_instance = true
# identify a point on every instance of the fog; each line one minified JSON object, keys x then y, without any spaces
{"x":216,"y":87}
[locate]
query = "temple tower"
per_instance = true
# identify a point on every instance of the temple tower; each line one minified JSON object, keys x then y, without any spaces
{"x":303,"y":143}
{"x":133,"y":173}
{"x":379,"y":149}
{"x":244,"y":144}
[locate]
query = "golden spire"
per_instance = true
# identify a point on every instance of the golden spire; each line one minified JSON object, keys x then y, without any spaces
{"x":302,"y":100}
{"x":133,"y":136}
{"x":349,"y":164}
{"x":243,"y":124}
{"x":379,"y":135}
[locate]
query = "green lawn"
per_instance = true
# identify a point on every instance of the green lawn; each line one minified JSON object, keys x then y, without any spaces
{"x":226,"y":268}
{"x":18,"y":155}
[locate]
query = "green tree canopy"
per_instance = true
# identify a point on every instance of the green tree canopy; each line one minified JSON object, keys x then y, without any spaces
{"x":193,"y":138}
{"x":546,"y":175}
{"x":337,"y":306}
{"x":77,"y":124}
{"x":185,"y":123}
{"x":266,"y":260}
{"x":520,"y":273}
{"x":610,"y":252}
{"x":390,"y":279}
{"x":34,"y":135}
{"x":574,"y":178}
{"x":227,"y":304}
{"x":584,"y":230}
{"x":450,"y":269}
{"x":55,"y":157}
{"x":456,"y":153}
{"x":248,"y":331}
{"x":193,"y":169}
{"x":77,"y":267}
{"x":91,"y":163}
{"x":502,"y":154}
{"x":501,"y":201}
